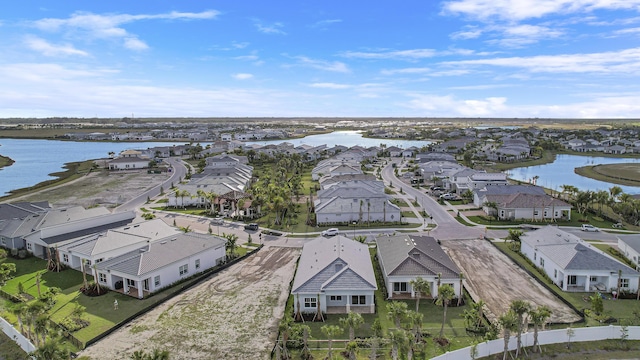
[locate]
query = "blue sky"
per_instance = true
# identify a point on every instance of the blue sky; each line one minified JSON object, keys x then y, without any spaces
{"x":451,"y":58}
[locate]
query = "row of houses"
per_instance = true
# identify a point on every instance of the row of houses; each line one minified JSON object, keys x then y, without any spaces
{"x":349,"y":195}
{"x":335,"y":275}
{"x":136,"y":259}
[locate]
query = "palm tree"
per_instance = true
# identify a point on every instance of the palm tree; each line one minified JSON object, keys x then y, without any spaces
{"x":352,"y":349}
{"x":419,"y":286}
{"x":479,"y":308}
{"x":396,"y":311}
{"x":331,"y":331}
{"x":615,"y":192}
{"x":285,"y":331}
{"x":51,"y":350}
{"x":398,"y":339}
{"x":415,"y":319}
{"x":493,"y":206}
{"x":34,"y":310}
{"x":231,"y":244}
{"x":19,"y":310}
{"x":41,"y":325}
{"x":352,"y":322}
{"x":445,"y":294}
{"x":539,"y":317}
{"x":520,"y":307}
{"x":508,"y":321}
{"x":460,"y":295}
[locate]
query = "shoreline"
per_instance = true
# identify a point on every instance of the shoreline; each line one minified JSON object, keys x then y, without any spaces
{"x":590,"y":171}
{"x":6,"y":161}
{"x":74,"y":170}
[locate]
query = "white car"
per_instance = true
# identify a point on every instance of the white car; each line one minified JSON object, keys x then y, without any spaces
{"x":331,"y":232}
{"x":589,"y":227}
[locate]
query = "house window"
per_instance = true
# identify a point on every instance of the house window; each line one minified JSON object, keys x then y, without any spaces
{"x":29,"y":247}
{"x":555,"y":273}
{"x":541,"y":262}
{"x":197,"y":264}
{"x":624,"y":283}
{"x":593,"y":279}
{"x":535,"y":255}
{"x":336,"y":297}
{"x":87,"y":262}
{"x":99,"y":260}
{"x":536,"y":212}
{"x":156,"y":281}
{"x":358,"y":300}
{"x":572,"y":280}
{"x":184,"y":269}
{"x":309,"y":302}
{"x":400,"y":286}
{"x":65,"y":258}
{"x":102,"y":278}
{"x":4,"y":243}
{"x":131,"y":282}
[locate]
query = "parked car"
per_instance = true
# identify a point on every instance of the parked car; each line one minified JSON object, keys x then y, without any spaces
{"x":331,"y":232}
{"x":252,"y":226}
{"x":449,"y":196}
{"x":589,"y":227}
{"x":218,"y":221}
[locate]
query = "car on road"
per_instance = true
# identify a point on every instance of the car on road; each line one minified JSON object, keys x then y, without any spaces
{"x":252,"y":226}
{"x":218,"y":221}
{"x":589,"y":227}
{"x":331,"y":232}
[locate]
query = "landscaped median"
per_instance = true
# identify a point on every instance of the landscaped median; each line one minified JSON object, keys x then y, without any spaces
{"x":99,"y":313}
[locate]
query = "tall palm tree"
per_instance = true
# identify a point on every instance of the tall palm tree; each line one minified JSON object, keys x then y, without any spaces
{"x":396,"y":311}
{"x":51,"y":350}
{"x":331,"y":331}
{"x":231,"y":244}
{"x":508,"y":321}
{"x":478,"y":306}
{"x":415,"y":319}
{"x":615,"y":192}
{"x":352,"y":322}
{"x":398,"y":339}
{"x":285,"y":332}
{"x":445,"y":295}
{"x":419,"y":286}
{"x":41,"y":326}
{"x":34,"y":310}
{"x":539,"y":317}
{"x":19,"y":310}
{"x":520,"y":307}
{"x":493,"y":206}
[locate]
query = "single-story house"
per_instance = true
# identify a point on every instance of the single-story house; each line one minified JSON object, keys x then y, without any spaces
{"x":334,"y":275}
{"x":529,"y":206}
{"x":404,"y":258}
{"x":128,"y":163}
{"x":575,"y":265}
{"x":161,"y":263}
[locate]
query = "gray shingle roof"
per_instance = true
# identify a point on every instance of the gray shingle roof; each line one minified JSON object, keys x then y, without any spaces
{"x":414,"y":255}
{"x":334,"y":263}
{"x":161,"y":253}
{"x":633,"y":243}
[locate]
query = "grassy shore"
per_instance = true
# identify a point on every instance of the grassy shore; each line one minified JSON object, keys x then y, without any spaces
{"x":621,"y":174}
{"x":73,"y":171}
{"x":5,"y":161}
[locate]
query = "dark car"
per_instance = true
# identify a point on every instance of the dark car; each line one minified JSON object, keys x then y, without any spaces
{"x":252,"y":226}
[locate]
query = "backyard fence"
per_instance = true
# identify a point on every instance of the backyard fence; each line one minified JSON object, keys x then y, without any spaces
{"x":569,"y":335}
{"x":14,"y":334}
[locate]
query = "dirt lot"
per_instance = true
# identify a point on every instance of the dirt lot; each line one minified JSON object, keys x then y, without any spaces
{"x":98,"y":188}
{"x":494,"y":278}
{"x":233,"y":315}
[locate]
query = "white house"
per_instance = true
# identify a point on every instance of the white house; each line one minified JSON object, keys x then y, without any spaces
{"x":575,"y":265}
{"x":630,"y":248}
{"x":110,"y":243}
{"x":161,"y":263}
{"x":128,"y":163}
{"x":346,"y":204}
{"x":404,"y":258}
{"x":334,"y":275}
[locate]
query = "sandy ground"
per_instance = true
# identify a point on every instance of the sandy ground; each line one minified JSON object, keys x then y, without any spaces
{"x":98,"y":188}
{"x":233,"y":315}
{"x":494,"y":278}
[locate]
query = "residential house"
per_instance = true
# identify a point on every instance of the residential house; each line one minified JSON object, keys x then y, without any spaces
{"x":394,"y":151}
{"x":347,"y":204}
{"x":334,"y":275}
{"x":499,"y":193}
{"x":161,"y":263}
{"x":630,"y":248}
{"x":575,"y":265}
{"x":524,"y":206}
{"x":404,"y":258}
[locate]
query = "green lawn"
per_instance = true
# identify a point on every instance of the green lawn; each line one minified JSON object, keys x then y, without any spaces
{"x":408,"y":214}
{"x":575,"y":221}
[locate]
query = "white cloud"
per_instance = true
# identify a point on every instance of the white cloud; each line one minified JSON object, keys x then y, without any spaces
{"x":624,"y":61}
{"x":517,"y":10}
{"x":86,"y":24}
{"x":468,"y":33}
{"x":135,"y":44}
{"x":413,"y":54}
{"x":275,"y":28}
{"x":242,"y":76}
{"x":421,"y":70}
{"x":330,"y":86}
{"x":426,"y":71}
{"x":47,"y":49}
{"x":323,"y":24}
{"x":436,"y":104}
{"x":635,"y":30}
{"x":333,"y":66}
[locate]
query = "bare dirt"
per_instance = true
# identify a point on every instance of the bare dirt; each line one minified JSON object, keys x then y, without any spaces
{"x":233,"y":315}
{"x":99,"y":188}
{"x":494,"y":278}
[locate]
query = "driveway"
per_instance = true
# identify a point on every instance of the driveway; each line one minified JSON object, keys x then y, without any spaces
{"x":497,"y":280}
